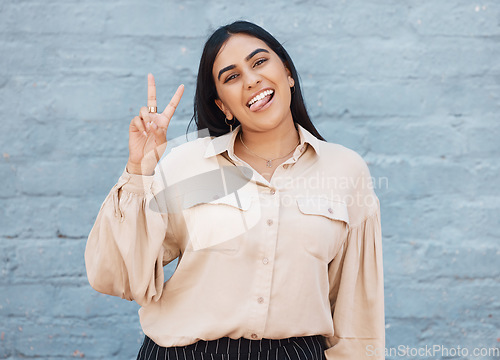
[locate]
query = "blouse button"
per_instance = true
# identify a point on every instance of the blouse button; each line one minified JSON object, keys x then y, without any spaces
{"x":253,"y":336}
{"x":265,"y":261}
{"x":272,"y":192}
{"x":330,"y":210}
{"x":269,"y":222}
{"x":260,"y":300}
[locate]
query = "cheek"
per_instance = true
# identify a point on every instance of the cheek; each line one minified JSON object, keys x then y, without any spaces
{"x":230,"y":99}
{"x":225,"y":95}
{"x":285,"y":90}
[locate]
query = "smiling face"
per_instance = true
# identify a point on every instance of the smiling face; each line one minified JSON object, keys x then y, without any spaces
{"x":253,"y":84}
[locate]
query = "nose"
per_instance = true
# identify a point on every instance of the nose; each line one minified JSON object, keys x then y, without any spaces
{"x":251,"y":80}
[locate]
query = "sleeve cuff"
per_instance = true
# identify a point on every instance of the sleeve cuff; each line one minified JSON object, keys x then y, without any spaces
{"x":133,"y":183}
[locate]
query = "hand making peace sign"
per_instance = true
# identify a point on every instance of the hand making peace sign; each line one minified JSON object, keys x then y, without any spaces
{"x":148,"y":132}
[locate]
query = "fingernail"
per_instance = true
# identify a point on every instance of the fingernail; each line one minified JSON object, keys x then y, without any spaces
{"x":145,"y":133}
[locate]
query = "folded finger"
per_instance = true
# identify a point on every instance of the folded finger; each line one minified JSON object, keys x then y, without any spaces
{"x":159,"y":121}
{"x":145,"y":114}
{"x":138,"y":123}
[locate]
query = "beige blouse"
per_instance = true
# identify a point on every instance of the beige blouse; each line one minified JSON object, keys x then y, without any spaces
{"x":299,"y":255}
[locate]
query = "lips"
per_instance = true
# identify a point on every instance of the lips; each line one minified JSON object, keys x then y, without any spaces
{"x":260,"y":100}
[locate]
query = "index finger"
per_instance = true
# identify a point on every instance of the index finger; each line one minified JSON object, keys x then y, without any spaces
{"x":172,"y":105}
{"x":151,"y":91}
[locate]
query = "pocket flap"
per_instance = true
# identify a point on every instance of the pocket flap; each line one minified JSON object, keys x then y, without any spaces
{"x":332,"y":209}
{"x":234,"y":199}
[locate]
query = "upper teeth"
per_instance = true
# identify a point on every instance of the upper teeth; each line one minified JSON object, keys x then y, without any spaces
{"x":260,"y":96}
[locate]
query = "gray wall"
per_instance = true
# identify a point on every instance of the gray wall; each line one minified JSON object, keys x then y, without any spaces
{"x":413,"y":86}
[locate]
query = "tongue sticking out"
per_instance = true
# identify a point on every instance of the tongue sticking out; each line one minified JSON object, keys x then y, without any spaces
{"x":256,"y":106}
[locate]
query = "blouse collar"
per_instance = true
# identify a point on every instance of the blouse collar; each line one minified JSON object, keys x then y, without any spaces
{"x":226,"y":142}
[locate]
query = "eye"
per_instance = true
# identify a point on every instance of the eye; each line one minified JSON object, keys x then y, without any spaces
{"x":259,"y":62}
{"x":230,"y":77}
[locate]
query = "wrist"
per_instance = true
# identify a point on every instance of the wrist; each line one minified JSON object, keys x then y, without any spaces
{"x":137,"y":169}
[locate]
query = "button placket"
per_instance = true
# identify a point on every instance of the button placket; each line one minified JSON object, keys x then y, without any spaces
{"x":270,"y":210}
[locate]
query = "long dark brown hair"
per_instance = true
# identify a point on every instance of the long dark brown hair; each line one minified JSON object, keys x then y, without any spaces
{"x":207,"y":114}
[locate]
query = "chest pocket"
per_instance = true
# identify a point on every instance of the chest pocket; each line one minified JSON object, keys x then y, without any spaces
{"x":324,"y":226}
{"x":215,"y":223}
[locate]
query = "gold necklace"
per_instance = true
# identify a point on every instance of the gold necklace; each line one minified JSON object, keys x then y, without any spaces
{"x":268,"y":161}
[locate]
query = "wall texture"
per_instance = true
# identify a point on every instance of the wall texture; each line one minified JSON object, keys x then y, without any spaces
{"x":413,"y":86}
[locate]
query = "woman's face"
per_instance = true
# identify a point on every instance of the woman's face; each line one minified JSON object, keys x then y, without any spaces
{"x":253,"y":84}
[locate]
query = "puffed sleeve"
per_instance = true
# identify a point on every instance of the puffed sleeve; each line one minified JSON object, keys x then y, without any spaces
{"x":357,"y":294}
{"x":130,"y":242}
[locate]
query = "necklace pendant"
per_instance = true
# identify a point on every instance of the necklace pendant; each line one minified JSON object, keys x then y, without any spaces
{"x":269,"y":163}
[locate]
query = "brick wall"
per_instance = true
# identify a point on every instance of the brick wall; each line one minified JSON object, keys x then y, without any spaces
{"x":413,"y":86}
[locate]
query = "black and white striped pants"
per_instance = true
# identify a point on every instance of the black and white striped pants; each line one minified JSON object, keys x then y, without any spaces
{"x":295,"y":348}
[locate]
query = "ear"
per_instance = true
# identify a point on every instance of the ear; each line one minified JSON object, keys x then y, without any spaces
{"x":291,"y":81}
{"x":223,"y":108}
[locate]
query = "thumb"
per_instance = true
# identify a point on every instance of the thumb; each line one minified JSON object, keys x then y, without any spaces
{"x":160,"y":149}
{"x":160,"y":135}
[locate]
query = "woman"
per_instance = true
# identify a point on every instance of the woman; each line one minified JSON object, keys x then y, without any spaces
{"x":277,"y":231}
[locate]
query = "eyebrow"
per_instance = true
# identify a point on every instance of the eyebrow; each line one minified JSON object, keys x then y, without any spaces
{"x":251,"y":55}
